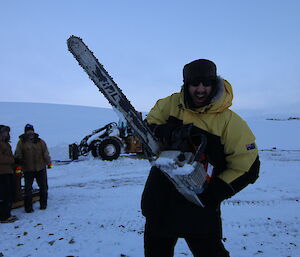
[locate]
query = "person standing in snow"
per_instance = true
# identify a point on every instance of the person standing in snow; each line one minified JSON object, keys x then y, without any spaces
{"x":32,"y":154}
{"x":6,"y":176}
{"x":204,"y":102}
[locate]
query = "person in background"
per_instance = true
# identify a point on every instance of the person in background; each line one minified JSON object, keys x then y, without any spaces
{"x":32,"y":154}
{"x":6,"y":176}
{"x":204,"y":103}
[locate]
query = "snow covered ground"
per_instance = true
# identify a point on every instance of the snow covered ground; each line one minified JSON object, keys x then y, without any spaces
{"x":94,"y":205}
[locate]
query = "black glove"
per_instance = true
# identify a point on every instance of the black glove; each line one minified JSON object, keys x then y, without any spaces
{"x":216,"y":191}
{"x":185,"y":138}
{"x":175,"y":136}
{"x":164,"y":133}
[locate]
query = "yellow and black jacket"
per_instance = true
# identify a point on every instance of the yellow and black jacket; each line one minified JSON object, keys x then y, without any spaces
{"x":231,"y":149}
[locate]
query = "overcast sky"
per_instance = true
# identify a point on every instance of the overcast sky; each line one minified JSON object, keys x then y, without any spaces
{"x":144,"y":46}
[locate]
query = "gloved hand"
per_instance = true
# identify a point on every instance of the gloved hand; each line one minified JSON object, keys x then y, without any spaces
{"x":164,"y":133}
{"x":186,"y":137}
{"x":216,"y":191}
{"x":18,"y":169}
{"x":181,"y":138}
{"x":181,"y":133}
{"x":50,"y":165}
{"x":176,"y":136}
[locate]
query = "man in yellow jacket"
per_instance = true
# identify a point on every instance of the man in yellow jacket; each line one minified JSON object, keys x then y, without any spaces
{"x":32,"y":154}
{"x":203,"y":101}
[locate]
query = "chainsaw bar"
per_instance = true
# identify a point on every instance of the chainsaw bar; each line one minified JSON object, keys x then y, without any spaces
{"x":111,"y":91}
{"x":189,"y":185}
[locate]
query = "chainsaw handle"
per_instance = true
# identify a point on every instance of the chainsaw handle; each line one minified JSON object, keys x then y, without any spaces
{"x":200,"y":148}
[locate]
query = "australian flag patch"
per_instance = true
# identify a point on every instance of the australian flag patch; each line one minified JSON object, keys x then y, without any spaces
{"x":250,"y":146}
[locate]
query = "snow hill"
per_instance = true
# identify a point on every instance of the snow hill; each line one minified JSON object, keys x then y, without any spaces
{"x":94,"y":205}
{"x":58,"y":125}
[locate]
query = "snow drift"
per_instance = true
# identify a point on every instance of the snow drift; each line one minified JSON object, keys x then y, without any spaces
{"x":94,"y":205}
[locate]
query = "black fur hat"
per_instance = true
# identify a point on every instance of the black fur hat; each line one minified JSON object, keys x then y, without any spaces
{"x":200,"y":68}
{"x":4,"y":128}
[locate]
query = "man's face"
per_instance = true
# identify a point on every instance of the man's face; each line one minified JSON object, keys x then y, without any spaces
{"x":4,"y":133}
{"x":29,"y":132}
{"x":200,"y":94}
{"x":4,"y":136}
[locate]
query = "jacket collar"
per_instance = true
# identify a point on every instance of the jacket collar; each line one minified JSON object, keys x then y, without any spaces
{"x":24,"y":137}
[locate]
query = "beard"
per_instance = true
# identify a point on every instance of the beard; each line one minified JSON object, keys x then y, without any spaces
{"x":30,"y":137}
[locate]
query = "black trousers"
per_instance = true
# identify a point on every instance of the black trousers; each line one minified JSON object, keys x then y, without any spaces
{"x":6,"y":195}
{"x":42,"y":181}
{"x":163,"y":246}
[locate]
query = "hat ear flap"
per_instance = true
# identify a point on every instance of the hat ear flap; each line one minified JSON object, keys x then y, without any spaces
{"x":186,"y":95}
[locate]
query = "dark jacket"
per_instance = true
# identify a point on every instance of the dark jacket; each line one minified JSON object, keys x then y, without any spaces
{"x":231,"y":149}
{"x":6,"y":159}
{"x":32,"y":154}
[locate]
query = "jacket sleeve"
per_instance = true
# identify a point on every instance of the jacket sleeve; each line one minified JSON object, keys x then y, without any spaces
{"x":242,"y":161}
{"x":46,"y":154}
{"x":6,"y":157}
{"x":160,"y":113}
{"x":240,"y":150}
{"x":161,"y":122}
{"x":18,"y":153}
